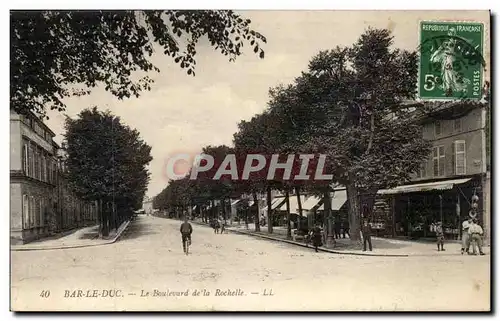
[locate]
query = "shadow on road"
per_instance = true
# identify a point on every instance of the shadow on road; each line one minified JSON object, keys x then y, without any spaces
{"x":138,"y":228}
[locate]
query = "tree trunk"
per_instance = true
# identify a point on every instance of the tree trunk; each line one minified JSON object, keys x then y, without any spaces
{"x":288,"y":216}
{"x":223,"y":207}
{"x":354,"y":211}
{"x":269,"y":211}
{"x":105,"y":220}
{"x":299,"y":203}
{"x":328,"y":220}
{"x":246,"y":218}
{"x":256,"y":204}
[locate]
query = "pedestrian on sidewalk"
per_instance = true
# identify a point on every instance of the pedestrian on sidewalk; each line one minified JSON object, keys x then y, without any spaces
{"x":345,"y":229}
{"x":317,"y":237}
{"x":465,"y":235}
{"x":336,"y":227}
{"x":476,"y":237}
{"x":222,"y":226}
{"x":367,"y":235}
{"x":440,"y":235}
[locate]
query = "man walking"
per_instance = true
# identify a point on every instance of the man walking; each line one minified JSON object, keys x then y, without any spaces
{"x":465,"y":235}
{"x":367,"y":235}
{"x":440,"y":235}
{"x":476,"y":234}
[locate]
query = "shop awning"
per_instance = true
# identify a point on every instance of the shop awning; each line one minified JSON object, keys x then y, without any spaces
{"x":441,"y":186}
{"x":294,"y":204}
{"x":277,"y":202}
{"x":311,"y":202}
{"x":235,"y":202}
{"x":338,"y":200}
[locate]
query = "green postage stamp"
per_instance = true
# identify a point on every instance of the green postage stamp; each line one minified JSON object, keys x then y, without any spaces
{"x":451,"y":60}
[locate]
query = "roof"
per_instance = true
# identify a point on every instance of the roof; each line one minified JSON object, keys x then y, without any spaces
{"x":441,"y":185}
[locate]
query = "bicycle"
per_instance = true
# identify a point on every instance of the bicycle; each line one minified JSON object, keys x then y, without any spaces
{"x":187,"y":243}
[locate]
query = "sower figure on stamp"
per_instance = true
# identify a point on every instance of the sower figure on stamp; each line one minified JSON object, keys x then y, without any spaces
{"x":440,"y":235}
{"x":465,"y":235}
{"x":367,"y":235}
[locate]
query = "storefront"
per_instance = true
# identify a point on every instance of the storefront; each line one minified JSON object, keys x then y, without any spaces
{"x":410,"y":210}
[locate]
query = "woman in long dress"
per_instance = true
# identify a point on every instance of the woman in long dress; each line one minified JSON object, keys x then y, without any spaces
{"x":445,"y":55}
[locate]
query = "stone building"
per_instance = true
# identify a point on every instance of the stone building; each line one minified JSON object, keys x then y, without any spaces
{"x":442,"y":190}
{"x":38,"y":202}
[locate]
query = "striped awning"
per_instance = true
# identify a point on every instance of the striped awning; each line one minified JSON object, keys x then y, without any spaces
{"x":338,"y":200}
{"x":441,"y":186}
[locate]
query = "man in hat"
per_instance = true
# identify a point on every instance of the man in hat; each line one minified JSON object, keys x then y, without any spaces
{"x":440,"y":235}
{"x":476,"y":237}
{"x":465,"y":235}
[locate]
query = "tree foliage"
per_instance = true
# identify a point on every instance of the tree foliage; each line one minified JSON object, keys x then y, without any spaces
{"x":106,"y":160}
{"x":350,"y":105}
{"x":51,"y":51}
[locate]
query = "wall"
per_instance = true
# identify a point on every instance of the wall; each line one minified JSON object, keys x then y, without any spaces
{"x":470,"y":131}
{"x":15,"y":143}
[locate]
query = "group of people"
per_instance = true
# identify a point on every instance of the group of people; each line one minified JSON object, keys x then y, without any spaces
{"x":472,"y":234}
{"x":218,"y":225}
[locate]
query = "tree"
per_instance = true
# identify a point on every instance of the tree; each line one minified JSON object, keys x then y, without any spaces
{"x":350,"y":105}
{"x":106,"y":162}
{"x":52,"y":51}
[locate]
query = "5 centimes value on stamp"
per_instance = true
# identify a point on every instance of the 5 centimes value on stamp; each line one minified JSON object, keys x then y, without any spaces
{"x":451,"y":60}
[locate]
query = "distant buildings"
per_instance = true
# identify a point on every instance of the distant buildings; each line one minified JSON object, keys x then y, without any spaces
{"x":147,"y":205}
{"x":40,"y":201}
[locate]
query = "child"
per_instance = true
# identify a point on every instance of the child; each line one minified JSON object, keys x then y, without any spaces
{"x":440,"y":235}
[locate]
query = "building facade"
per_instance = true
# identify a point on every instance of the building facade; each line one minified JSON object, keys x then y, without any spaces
{"x":37,"y":203}
{"x":444,"y":187}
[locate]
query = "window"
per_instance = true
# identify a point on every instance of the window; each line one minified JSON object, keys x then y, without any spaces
{"x":438,"y":160}
{"x":423,"y":170}
{"x":26,"y":212}
{"x":26,"y":165}
{"x":32,"y":212}
{"x":44,"y":168}
{"x":31,"y":161}
{"x":42,"y":210}
{"x":437,"y":128}
{"x":459,"y":147}
{"x":37,"y":163}
{"x":457,"y":125}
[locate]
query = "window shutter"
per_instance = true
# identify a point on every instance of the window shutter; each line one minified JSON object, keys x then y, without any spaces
{"x":454,"y":158}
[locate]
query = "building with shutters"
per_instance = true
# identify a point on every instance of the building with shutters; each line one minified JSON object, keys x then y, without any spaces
{"x":456,"y":169}
{"x":40,"y":200}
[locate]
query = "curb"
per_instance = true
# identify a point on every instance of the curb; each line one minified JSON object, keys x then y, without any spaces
{"x":323,"y":249}
{"x":62,"y":247}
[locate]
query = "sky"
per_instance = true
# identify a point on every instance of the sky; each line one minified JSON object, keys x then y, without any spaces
{"x":182,"y":113}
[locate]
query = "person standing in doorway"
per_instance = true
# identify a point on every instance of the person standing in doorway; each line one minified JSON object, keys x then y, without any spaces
{"x":476,"y":237}
{"x":465,"y":235}
{"x":440,"y":236}
{"x":367,"y":235}
{"x":337,"y":227}
{"x":345,"y":229}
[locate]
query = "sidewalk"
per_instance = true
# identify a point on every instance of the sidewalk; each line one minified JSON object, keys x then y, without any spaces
{"x":381,"y":246}
{"x":84,"y":237}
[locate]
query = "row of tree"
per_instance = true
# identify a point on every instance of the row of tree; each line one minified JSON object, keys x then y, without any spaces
{"x":58,"y":54}
{"x":106,"y":162}
{"x":350,"y":104}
